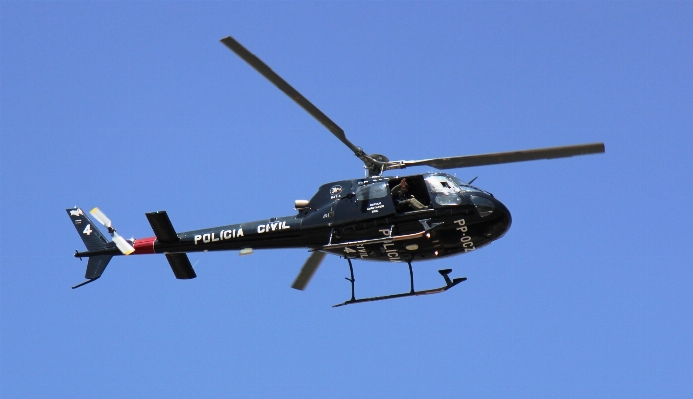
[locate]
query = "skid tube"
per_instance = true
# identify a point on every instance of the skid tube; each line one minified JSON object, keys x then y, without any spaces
{"x":448,"y":284}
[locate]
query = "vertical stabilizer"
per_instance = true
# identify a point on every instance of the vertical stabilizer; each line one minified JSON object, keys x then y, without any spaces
{"x":90,"y":234}
{"x":94,"y":240}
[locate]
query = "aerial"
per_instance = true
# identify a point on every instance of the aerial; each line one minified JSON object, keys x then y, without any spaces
{"x":381,"y":218}
{"x":136,"y":108}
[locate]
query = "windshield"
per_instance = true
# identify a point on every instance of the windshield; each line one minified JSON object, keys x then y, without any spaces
{"x":483,"y":205}
{"x":446,"y":191}
{"x":465,"y":186}
{"x":441,"y":184}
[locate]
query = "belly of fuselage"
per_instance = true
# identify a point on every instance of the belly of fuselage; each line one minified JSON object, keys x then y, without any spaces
{"x":462,"y":230}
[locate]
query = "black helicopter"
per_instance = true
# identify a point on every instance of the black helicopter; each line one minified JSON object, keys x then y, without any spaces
{"x":379,"y":218}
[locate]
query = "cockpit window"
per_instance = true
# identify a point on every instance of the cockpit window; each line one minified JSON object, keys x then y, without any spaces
{"x":483,"y":205}
{"x":445,"y":190}
{"x":464,"y":186}
{"x":371,"y":191}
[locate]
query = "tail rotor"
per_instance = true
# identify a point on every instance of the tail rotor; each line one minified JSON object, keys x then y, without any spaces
{"x":119,"y":241}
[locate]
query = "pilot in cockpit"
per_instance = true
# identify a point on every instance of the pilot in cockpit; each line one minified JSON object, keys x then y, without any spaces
{"x":404,"y":201}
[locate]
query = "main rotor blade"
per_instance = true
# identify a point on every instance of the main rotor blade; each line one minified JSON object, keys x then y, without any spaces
{"x":308,"y":270}
{"x":504,"y":157}
{"x":267,"y":72}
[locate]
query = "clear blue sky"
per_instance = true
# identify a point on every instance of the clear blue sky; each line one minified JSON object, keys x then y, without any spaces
{"x":136,"y":107}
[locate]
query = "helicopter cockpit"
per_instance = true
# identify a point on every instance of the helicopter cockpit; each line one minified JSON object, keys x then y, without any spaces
{"x":436,"y":190}
{"x":448,"y":190}
{"x":355,"y":200}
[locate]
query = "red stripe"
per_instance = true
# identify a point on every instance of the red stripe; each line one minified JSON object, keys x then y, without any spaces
{"x":144,"y":246}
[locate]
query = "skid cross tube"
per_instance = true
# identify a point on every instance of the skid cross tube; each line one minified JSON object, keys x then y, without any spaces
{"x":448,"y":284}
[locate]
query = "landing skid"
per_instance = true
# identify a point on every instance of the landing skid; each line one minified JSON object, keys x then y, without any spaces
{"x":448,"y":284}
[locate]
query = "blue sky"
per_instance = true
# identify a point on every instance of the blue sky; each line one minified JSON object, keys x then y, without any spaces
{"x":136,"y":107}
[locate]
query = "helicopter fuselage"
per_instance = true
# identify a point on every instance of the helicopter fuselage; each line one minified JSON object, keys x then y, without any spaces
{"x":361,"y":219}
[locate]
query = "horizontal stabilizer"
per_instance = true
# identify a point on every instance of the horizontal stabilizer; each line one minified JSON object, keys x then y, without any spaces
{"x":163,"y":229}
{"x":181,"y":266}
{"x":165,"y":233}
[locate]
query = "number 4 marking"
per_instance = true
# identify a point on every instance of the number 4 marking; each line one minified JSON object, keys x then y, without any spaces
{"x":87,"y":230}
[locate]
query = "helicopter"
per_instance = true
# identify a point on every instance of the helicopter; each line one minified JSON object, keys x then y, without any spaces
{"x":399,"y":219}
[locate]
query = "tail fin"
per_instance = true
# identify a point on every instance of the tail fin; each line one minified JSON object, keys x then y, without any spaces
{"x":94,"y":240}
{"x":87,"y":230}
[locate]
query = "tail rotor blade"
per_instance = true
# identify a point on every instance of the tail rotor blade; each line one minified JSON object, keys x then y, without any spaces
{"x":309,"y":268}
{"x":101,"y":217}
{"x":119,"y":241}
{"x":123,"y":245}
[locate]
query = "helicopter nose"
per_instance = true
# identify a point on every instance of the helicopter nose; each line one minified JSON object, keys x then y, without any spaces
{"x":502,"y":221}
{"x":506,"y":215}
{"x":495,"y":214}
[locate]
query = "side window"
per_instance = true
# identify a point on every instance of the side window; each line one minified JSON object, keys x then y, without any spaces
{"x":448,"y":199}
{"x":372,"y":191}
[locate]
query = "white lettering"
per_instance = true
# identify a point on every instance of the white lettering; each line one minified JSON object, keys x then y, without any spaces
{"x":362,"y":251}
{"x":87,"y":230}
{"x":223,"y":235}
{"x":392,"y":254}
{"x":274,"y":226}
{"x":466,"y":240}
{"x":375,"y":206}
